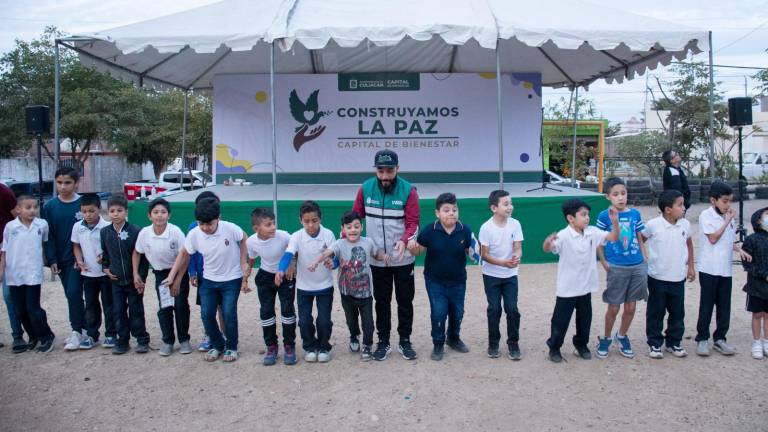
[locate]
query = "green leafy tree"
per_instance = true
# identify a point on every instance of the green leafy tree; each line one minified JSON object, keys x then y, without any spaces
{"x":558,"y":140}
{"x":642,"y":151}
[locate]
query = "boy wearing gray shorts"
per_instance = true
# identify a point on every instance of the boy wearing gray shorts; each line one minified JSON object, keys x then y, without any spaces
{"x":624,"y":261}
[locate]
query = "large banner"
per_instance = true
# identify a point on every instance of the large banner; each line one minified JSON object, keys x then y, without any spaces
{"x":335,"y":123}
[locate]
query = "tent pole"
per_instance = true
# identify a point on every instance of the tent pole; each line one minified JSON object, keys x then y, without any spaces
{"x":499,"y":116}
{"x":56,"y":104}
{"x":274,"y":134}
{"x":575,"y":119}
{"x":712,"y":113}
{"x":184,"y":137}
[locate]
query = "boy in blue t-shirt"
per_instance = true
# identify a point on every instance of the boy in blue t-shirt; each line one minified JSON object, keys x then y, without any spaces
{"x":624,"y":261}
{"x":448,"y":242}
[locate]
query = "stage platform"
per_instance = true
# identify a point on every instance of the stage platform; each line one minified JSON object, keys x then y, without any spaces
{"x":538,"y":211}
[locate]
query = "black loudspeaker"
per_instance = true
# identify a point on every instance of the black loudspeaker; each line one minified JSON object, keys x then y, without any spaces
{"x":37,"y":119}
{"x":740,"y":111}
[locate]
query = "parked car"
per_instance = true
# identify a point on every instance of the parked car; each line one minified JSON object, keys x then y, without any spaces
{"x":29,"y":188}
{"x":168,"y":181}
{"x":755,"y":164}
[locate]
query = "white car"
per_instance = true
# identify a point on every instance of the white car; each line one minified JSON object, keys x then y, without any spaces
{"x":755,"y":164}
{"x":557,"y":179}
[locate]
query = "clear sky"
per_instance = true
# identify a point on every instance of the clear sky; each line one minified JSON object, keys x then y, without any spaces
{"x":740,"y":34}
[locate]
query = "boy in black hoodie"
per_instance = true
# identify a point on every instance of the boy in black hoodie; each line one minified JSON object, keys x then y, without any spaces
{"x":117,"y":244}
{"x":757,"y":281}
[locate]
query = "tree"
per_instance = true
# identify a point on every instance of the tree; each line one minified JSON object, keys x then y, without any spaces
{"x":558,"y":139}
{"x":687,"y":100}
{"x":643,"y":151}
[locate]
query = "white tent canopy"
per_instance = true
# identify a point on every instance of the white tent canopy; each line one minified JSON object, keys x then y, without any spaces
{"x":571,"y":43}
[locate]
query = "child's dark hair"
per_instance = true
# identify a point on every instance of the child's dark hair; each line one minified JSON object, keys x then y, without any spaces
{"x":719,"y":188}
{"x":496,"y":196}
{"x":350,"y":217}
{"x":117,"y":200}
{"x":310,"y":206}
{"x":445,"y":198}
{"x":69,"y":172}
{"x":668,"y":198}
{"x":207,"y":210}
{"x":611,"y":182}
{"x":206,"y":194}
{"x":90,"y":199}
{"x":572,"y":206}
{"x":667,"y":156}
{"x":25,"y":197}
{"x":260,"y":213}
{"x":159,"y":202}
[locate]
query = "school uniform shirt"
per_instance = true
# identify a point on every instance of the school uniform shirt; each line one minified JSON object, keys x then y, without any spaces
{"x":89,"y":239}
{"x":667,"y":249}
{"x":626,"y":250}
{"x":309,"y":248}
{"x":270,"y":250}
{"x":23,"y":248}
{"x":715,"y":259}
{"x":577,"y":267}
{"x":220,"y":251}
{"x":161,"y":249}
{"x":500,"y":242}
{"x":61,"y":217}
{"x":446,"y":259}
{"x":355,"y":278}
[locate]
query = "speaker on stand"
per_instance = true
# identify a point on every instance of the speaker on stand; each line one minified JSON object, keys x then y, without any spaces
{"x":37,"y":122}
{"x":740,"y":115}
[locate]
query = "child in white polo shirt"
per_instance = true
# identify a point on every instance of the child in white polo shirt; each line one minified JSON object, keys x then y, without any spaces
{"x":717,"y":242}
{"x":576,"y":245}
{"x":269,"y":243}
{"x":222,"y":245}
{"x":86,"y":245}
{"x":161,"y":243}
{"x":21,"y":263}
{"x":311,"y":286}
{"x":670,"y":260}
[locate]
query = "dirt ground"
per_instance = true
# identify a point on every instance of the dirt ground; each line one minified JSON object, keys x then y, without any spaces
{"x":94,"y":390}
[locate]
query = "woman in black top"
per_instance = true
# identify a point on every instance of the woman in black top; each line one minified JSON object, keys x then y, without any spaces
{"x":674,"y":178}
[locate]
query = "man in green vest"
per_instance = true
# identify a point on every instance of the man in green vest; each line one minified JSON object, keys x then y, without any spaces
{"x":390,"y":206}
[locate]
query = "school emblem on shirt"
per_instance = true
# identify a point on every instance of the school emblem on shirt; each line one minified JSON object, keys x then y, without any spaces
{"x":173,"y":245}
{"x":79,"y":216}
{"x":226,"y":242}
{"x":123,"y":235}
{"x":39,"y":232}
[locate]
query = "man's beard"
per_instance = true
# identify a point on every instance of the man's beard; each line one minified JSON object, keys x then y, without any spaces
{"x":387,"y":189}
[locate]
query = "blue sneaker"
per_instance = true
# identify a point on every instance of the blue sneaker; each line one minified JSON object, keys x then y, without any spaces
{"x":625,"y":348}
{"x":109,"y":342}
{"x":270,"y":357}
{"x":87,"y":343}
{"x":205,"y":346}
{"x":603,"y":347}
{"x":289,"y":354}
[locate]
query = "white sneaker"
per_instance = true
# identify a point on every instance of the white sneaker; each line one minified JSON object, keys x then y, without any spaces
{"x":655,"y":353}
{"x":677,"y":351}
{"x":702,"y":348}
{"x":757,"y":350}
{"x":723,"y":348}
{"x":765,"y":346}
{"x":310,"y":357}
{"x":324,"y":357}
{"x":73,"y":343}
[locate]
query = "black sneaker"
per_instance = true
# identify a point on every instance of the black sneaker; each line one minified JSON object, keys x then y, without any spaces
{"x":142,"y":348}
{"x":46,"y":346}
{"x":437,"y":352}
{"x":406,"y":349}
{"x":19,"y":346}
{"x":382,"y":351}
{"x":514,"y":351}
{"x":458,"y":345}
{"x":493,"y":351}
{"x":32,"y":344}
{"x":583,"y":352}
{"x":555,"y":356}
{"x":119,"y":349}
{"x":365,"y":353}
{"x":354,"y":344}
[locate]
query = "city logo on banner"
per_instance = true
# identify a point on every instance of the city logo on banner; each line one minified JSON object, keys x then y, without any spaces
{"x":307,"y":115}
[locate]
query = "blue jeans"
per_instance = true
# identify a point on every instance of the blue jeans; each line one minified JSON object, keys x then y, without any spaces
{"x":446,"y":302}
{"x":500,"y":291}
{"x":16,"y":331}
{"x":73,"y":290}
{"x":213,"y":294}
{"x":310,"y":340}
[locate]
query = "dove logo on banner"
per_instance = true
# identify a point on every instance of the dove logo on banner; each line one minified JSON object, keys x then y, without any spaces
{"x":307,"y":115}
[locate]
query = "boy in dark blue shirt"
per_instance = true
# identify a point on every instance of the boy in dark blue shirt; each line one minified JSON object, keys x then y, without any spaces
{"x":62,"y":213}
{"x":448,"y":242}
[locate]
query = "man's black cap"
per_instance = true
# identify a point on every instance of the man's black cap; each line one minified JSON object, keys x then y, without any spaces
{"x":385,"y":158}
